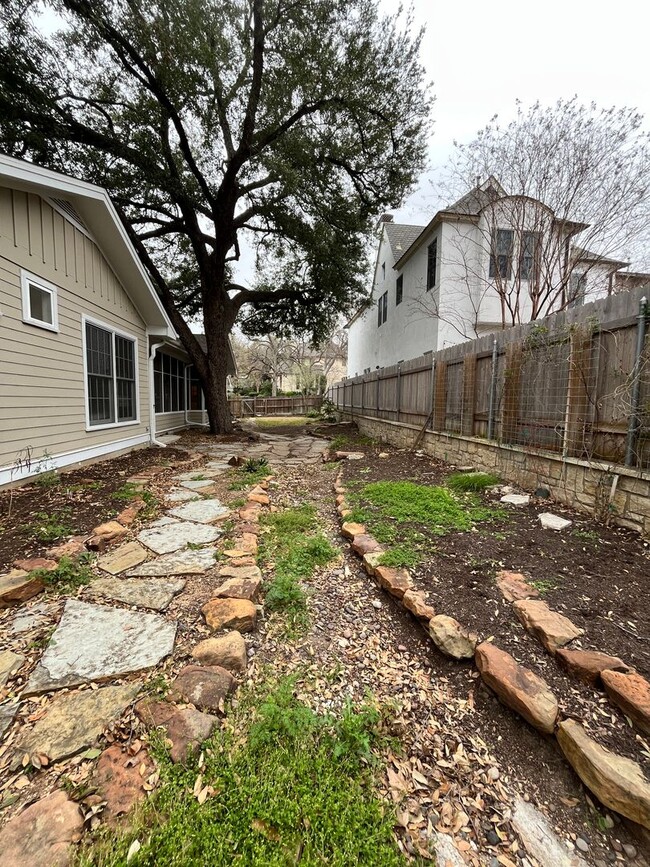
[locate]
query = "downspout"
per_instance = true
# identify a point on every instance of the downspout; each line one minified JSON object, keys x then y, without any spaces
{"x":152,"y":397}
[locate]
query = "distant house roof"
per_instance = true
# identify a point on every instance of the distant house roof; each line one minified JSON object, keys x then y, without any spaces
{"x":91,"y":207}
{"x":582,"y":255}
{"x":476,"y":200}
{"x":400,"y":237}
{"x":232,"y":366}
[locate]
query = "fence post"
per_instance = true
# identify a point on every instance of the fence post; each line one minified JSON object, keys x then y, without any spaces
{"x":634,"y":423}
{"x":469,"y":394}
{"x":432,"y":389}
{"x":399,"y":389}
{"x":493,"y":391}
{"x":363,"y":389}
{"x":577,"y":395}
{"x":440,"y":402}
{"x":511,"y":392}
{"x":378,"y":390}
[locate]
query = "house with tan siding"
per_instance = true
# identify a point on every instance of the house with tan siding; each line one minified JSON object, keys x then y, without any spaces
{"x":90,"y":364}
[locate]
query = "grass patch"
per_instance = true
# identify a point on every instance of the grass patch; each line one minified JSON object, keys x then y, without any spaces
{"x":544,"y":585}
{"x":128,"y":492}
{"x":344,"y":442}
{"x":463,"y":482}
{"x":400,"y":556}
{"x":271,"y":422}
{"x":69,"y":574}
{"x":294,"y":547}
{"x":50,"y":527}
{"x":405,"y":515}
{"x":254,"y":471}
{"x":286,"y":786}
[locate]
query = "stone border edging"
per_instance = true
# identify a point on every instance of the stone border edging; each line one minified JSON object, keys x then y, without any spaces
{"x":618,"y":782}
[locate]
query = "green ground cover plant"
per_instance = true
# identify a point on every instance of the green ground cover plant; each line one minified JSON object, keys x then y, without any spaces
{"x":252,"y":472}
{"x":284,"y":786}
{"x":406,"y":515}
{"x":69,"y":574}
{"x":48,"y":527}
{"x":292,"y":544}
{"x":463,"y":482}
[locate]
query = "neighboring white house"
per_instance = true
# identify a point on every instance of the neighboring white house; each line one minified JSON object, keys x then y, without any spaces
{"x":90,"y":364}
{"x":486,"y":262}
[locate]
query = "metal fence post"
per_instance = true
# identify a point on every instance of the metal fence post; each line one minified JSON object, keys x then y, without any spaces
{"x":493,"y":392}
{"x":634,"y":423}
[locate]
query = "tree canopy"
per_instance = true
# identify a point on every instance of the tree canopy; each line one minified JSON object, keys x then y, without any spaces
{"x":293,"y":124}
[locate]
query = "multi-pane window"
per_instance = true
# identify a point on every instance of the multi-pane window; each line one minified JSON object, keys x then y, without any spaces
{"x":111,"y":377}
{"x":382,"y":309}
{"x":577,"y":290}
{"x":169,"y":383}
{"x":39,"y":302}
{"x":432,"y":263}
{"x":528,"y":253}
{"x":399,"y":289}
{"x":501,"y":253}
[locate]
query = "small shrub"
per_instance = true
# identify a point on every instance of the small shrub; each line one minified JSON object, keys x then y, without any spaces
{"x":68,"y":574}
{"x":462,"y":482}
{"x":254,"y":465}
{"x":48,"y":479}
{"x":400,"y":556}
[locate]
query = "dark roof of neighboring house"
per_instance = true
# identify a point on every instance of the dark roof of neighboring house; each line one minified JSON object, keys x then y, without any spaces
{"x":400,"y":237}
{"x":472,"y":203}
{"x":582,"y":255}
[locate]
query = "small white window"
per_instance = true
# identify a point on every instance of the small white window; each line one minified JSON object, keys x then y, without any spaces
{"x":39,"y":302}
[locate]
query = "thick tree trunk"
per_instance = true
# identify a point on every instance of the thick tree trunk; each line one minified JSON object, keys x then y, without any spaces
{"x":215,"y":385}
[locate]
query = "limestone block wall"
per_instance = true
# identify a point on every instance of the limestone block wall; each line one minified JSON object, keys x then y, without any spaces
{"x":599,"y":489}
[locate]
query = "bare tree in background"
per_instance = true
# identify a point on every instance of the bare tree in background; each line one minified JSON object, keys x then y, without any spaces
{"x":559,"y":201}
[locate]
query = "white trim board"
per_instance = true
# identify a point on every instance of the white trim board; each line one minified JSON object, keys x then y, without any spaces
{"x":67,"y":458}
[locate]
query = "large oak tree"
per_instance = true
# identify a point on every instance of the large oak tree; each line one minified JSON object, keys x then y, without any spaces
{"x":292,"y":122}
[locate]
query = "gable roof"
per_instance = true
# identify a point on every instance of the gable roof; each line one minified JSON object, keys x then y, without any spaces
{"x":579,"y":254}
{"x":480,"y":197}
{"x":400,"y":237}
{"x":91,"y":206}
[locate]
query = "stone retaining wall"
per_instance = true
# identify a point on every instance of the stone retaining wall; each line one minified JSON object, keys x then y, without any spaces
{"x":597,"y":488}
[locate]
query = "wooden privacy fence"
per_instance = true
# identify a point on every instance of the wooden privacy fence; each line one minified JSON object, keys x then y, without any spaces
{"x":577,"y":383}
{"x":241,"y":407}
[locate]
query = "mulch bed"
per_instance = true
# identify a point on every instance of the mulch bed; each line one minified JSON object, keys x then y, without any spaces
{"x":81,"y":499}
{"x":598,"y":580}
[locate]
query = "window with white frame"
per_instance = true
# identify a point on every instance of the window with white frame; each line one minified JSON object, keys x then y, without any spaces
{"x":110,"y":376}
{"x":39,"y":302}
{"x":169,"y":383}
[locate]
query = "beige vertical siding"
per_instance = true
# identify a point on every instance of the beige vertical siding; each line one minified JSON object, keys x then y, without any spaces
{"x":42,"y":403}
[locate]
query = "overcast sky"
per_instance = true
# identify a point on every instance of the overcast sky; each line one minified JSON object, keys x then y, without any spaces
{"x":482,"y":57}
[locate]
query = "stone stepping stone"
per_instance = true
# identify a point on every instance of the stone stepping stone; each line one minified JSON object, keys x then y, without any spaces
{"x":618,"y":782}
{"x":18,"y":586}
{"x":223,"y":466}
{"x":125,"y":557}
{"x":120,"y":780}
{"x":228,"y":651}
{"x":240,"y":572}
{"x":452,"y":638}
{"x":554,"y":630}
{"x":516,"y":499}
{"x":43,"y":833}
{"x":7,"y":713}
{"x":196,"y":476}
{"x":201,"y":511}
{"x":179,"y":495}
{"x":239,"y":614}
{"x":197,"y":484}
{"x":176,"y":535}
{"x":189,"y":562}
{"x":75,"y":721}
{"x":36,"y":617}
{"x":517,"y":687}
{"x":204,"y":686}
{"x":541,"y":842}
{"x":10,"y":663}
{"x":631,"y":693}
{"x":549,"y":521}
{"x":165,"y":521}
{"x":154,"y":593}
{"x":95,"y":642}
{"x":186,"y":728}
